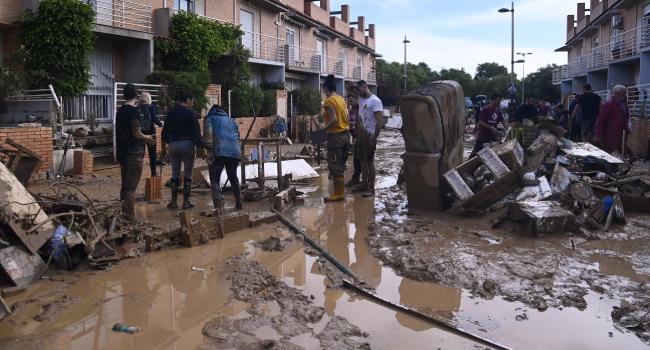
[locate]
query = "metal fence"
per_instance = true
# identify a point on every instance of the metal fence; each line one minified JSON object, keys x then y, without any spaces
{"x":302,"y":58}
{"x":638,"y":100}
{"x":263,"y":47}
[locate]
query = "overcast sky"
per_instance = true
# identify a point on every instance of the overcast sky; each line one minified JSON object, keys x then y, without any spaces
{"x":463,"y":33}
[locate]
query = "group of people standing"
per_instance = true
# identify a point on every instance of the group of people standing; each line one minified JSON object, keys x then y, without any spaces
{"x":360,"y":120}
{"x":606,"y":125}
{"x":219,"y":145}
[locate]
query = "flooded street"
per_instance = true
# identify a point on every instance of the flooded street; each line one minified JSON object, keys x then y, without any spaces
{"x":545,"y":294}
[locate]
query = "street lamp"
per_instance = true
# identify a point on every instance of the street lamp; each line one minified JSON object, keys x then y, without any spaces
{"x":405,"y":76}
{"x":512,"y":42}
{"x":523,"y":73}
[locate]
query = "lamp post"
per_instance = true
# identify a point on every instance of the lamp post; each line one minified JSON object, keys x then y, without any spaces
{"x":523,"y":73}
{"x":512,"y":42}
{"x":406,"y":41}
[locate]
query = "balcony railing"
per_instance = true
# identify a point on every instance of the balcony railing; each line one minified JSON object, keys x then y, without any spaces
{"x":302,"y":58}
{"x":638,"y":101}
{"x":264,"y":47}
{"x":624,"y":45}
{"x":354,"y":72}
{"x":371,"y":77}
{"x":334,"y":66}
{"x":560,"y":74}
{"x":125,"y":14}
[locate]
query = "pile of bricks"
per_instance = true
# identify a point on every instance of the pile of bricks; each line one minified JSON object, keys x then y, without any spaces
{"x":37,"y":139}
{"x":639,"y":141}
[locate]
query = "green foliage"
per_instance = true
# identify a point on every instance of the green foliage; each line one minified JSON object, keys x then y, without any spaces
{"x":308,"y":101}
{"x":490,"y":70}
{"x":194,"y":43}
{"x":540,"y":83}
{"x":11,"y":82}
{"x":179,"y":82}
{"x":233,"y":70}
{"x":58,"y":41}
{"x":269,"y":105}
{"x":247,"y":101}
{"x":276,"y":85}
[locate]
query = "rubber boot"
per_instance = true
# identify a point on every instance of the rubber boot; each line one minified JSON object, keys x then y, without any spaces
{"x":187,"y":191}
{"x":339,"y":190}
{"x":237,"y":193}
{"x":353,"y":182}
{"x":173,"y":203}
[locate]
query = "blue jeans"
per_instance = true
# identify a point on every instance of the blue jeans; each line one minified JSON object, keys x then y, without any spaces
{"x":182,"y":151}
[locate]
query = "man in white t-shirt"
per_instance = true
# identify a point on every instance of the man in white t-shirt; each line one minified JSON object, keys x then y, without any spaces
{"x":371,"y":113}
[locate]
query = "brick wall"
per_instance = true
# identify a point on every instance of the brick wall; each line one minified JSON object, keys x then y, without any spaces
{"x":260,"y":123}
{"x":38,"y":139}
{"x":640,"y":137}
{"x":213,"y":93}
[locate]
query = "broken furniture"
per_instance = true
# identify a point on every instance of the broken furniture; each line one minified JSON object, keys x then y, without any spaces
{"x":261,"y":144}
{"x":433,"y":122}
{"x":488,"y":177}
{"x":543,"y":216}
{"x":22,"y":161}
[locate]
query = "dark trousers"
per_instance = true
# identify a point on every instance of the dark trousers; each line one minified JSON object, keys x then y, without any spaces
{"x":153,"y":156}
{"x":182,"y":152}
{"x":130,"y":172}
{"x":215,"y":178}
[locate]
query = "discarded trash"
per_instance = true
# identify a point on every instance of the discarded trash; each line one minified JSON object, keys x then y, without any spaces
{"x":198,"y":269}
{"x":120,"y":327}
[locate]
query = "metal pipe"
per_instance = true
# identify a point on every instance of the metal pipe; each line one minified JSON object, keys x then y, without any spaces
{"x":315,"y":245}
{"x":431,"y":319}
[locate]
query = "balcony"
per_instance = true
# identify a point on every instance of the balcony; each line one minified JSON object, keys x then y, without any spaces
{"x":560,"y":74}
{"x":264,"y":48}
{"x":333,"y":65}
{"x":302,"y":59}
{"x":124,"y":14}
{"x":371,"y":76}
{"x":598,"y":58}
{"x":353,"y":72}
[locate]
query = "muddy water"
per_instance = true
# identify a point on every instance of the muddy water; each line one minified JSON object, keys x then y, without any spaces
{"x":170,"y":302}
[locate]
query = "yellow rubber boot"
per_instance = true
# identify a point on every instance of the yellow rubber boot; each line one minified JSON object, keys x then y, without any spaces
{"x":339,"y":190}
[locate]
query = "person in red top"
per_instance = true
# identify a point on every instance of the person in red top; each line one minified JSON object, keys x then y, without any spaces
{"x":613,"y":121}
{"x":487,"y":125}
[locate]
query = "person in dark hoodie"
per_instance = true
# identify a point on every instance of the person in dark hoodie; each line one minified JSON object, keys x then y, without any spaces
{"x":148,"y":111}
{"x":182,"y":134}
{"x":221,"y":141}
{"x":129,"y":148}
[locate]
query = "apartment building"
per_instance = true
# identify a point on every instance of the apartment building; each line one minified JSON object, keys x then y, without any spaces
{"x":606,"y":44}
{"x":291,"y":41}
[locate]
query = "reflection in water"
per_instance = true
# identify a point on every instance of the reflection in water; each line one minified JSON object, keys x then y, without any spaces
{"x":428,"y":298}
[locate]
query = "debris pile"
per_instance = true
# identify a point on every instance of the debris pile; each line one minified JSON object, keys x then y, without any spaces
{"x":554,"y":185}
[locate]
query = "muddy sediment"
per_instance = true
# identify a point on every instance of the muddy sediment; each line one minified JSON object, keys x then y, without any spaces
{"x":541,"y":272}
{"x":296,"y":315}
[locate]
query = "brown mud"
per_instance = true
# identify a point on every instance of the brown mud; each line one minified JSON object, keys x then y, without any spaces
{"x":540,"y":272}
{"x":176,"y":296}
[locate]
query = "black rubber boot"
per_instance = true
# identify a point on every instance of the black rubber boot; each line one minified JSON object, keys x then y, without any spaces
{"x":237,"y":193}
{"x":173,"y":203}
{"x":187,"y":191}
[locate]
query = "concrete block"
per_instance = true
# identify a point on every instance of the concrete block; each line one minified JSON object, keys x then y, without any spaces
{"x":235,"y":221}
{"x":263,"y":217}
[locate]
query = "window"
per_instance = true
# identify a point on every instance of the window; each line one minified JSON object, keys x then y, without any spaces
{"x":343,"y":57}
{"x":320,"y":49}
{"x":194,"y":6}
{"x":292,"y":41}
{"x":246,"y":19}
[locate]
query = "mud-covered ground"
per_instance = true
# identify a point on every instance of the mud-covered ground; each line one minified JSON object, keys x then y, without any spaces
{"x":293,"y":314}
{"x":555,"y":271}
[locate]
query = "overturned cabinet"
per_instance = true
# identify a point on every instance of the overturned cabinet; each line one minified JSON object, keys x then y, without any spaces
{"x":433,"y":120}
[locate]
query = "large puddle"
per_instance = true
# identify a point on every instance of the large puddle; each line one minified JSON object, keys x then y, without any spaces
{"x":170,"y":301}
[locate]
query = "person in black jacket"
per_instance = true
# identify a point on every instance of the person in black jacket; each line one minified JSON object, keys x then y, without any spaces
{"x":148,"y":124}
{"x":182,"y":134}
{"x":129,"y":147}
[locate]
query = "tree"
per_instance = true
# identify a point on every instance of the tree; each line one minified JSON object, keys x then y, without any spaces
{"x":540,"y":84}
{"x":57,"y":43}
{"x":459,"y":75}
{"x":490,"y":70}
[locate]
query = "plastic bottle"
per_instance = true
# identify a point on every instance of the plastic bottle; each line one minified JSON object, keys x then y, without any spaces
{"x":120,"y":327}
